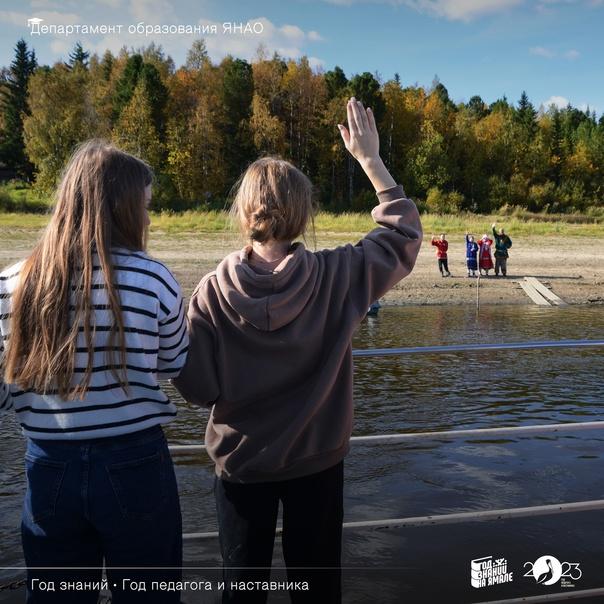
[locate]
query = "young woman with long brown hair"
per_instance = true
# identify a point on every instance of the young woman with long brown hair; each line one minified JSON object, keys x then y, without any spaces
{"x":271,"y":332}
{"x":89,"y":325}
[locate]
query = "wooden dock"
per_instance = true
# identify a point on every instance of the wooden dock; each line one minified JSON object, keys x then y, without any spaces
{"x":540,"y":294}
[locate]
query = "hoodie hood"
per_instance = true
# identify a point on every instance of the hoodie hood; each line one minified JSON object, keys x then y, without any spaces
{"x":272,"y":300}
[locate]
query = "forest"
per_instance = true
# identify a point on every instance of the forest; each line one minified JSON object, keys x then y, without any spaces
{"x":199,"y":125}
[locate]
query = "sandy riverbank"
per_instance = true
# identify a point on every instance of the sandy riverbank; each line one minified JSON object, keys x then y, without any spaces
{"x":573,"y":267}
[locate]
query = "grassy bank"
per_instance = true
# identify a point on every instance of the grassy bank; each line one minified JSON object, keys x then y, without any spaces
{"x":454,"y":225}
{"x":21,"y":207}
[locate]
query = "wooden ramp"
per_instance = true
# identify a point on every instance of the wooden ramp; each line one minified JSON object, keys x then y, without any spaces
{"x":545,"y":292}
{"x":540,"y":294}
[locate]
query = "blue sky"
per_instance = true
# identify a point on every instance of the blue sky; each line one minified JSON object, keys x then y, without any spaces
{"x":549,"y":48}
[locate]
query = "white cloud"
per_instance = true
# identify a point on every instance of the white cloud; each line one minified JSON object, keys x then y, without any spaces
{"x":454,"y":10}
{"x":462,"y":10}
{"x":43,"y":4}
{"x":292,"y":32}
{"x":288,"y":40}
{"x":548,"y":53}
{"x":13,"y":18}
{"x":50,"y":18}
{"x":558,"y":101}
{"x":467,"y":10}
{"x":562,"y":102}
{"x":540,"y":51}
{"x":152,"y":12}
{"x":61,"y":47}
{"x":315,"y":63}
{"x":57,"y":18}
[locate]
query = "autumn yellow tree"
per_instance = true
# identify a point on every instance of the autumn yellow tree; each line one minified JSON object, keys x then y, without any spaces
{"x":135,"y":130}
{"x":62,"y":115}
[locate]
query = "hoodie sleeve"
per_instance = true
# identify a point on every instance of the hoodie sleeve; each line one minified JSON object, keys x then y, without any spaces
{"x":388,"y":253}
{"x":198,"y":380}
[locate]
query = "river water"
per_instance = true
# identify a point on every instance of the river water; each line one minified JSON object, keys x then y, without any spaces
{"x":438,"y":476}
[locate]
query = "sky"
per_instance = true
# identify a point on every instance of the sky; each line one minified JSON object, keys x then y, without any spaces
{"x":549,"y":48}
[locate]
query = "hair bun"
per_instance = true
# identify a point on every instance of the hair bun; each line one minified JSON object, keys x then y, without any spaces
{"x":266,"y":224}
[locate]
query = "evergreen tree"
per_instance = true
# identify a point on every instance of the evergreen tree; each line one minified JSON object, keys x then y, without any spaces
{"x":477,"y":107}
{"x":526,"y":116}
{"x":126,"y":84}
{"x":135,"y":131}
{"x":366,"y":88}
{"x":78,"y":56}
{"x":500,"y":105}
{"x":157,"y":95}
{"x":107,"y":63}
{"x":443,"y":94}
{"x":335,"y":81}
{"x":14,"y":106}
{"x":135,"y":71}
{"x":237,"y":94}
{"x":556,"y":146}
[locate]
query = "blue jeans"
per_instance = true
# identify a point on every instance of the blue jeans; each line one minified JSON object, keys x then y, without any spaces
{"x":107,"y":500}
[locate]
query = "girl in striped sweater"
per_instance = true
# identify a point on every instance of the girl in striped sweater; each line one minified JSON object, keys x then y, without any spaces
{"x":89,"y":324}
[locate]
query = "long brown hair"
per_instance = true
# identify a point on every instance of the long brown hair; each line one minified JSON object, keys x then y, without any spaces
{"x":100,"y":203}
{"x":273,"y":200}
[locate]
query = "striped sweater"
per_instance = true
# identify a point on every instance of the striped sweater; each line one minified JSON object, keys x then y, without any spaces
{"x":157,"y":342}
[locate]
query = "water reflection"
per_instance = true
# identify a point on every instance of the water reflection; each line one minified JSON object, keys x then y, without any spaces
{"x":438,"y":476}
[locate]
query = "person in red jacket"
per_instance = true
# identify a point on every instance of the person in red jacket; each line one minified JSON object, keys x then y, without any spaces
{"x":485,"y":260}
{"x":442,"y":245}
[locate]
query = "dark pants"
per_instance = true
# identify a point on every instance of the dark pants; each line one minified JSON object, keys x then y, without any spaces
{"x":501,"y":264}
{"x":113,"y":499}
{"x":443,"y":265}
{"x":312,"y":534}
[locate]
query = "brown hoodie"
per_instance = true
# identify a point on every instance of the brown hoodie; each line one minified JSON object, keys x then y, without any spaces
{"x":271,"y":353}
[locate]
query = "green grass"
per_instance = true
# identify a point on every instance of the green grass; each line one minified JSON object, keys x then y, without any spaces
{"x":217,"y":222}
{"x":16,"y":196}
{"x":22,"y":208}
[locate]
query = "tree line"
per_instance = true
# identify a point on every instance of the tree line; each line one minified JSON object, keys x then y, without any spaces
{"x":200,"y":124}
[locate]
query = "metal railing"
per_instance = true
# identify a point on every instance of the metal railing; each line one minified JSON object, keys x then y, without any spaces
{"x":476,"y":515}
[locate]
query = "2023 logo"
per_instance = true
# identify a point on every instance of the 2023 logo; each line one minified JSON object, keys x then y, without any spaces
{"x":548,"y":570}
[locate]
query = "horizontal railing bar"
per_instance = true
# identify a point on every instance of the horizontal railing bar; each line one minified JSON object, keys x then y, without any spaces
{"x":504,"y":514}
{"x":558,"y":597}
{"x":378,"y":438}
{"x":386,"y":438}
{"x":380,"y":352}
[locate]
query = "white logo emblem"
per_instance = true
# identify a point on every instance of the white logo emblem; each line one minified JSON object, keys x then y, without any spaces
{"x":548,"y":570}
{"x":486,"y":571}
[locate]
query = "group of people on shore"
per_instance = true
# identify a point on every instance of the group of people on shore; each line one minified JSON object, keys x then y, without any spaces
{"x":89,"y":327}
{"x":478,"y":253}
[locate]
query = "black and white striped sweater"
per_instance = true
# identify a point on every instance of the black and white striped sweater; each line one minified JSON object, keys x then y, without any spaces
{"x":156,"y":340}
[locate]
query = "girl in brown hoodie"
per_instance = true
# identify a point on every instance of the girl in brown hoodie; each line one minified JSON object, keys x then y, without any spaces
{"x":270,"y":353}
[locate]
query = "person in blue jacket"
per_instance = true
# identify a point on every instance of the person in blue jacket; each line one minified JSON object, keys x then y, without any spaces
{"x":471,"y":255}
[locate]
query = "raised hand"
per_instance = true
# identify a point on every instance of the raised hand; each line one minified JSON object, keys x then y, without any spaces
{"x":363,"y":142}
{"x":361,"y":138}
